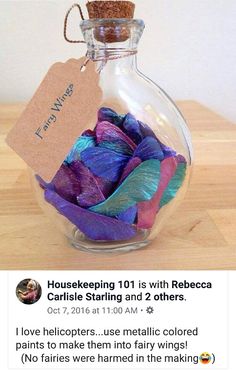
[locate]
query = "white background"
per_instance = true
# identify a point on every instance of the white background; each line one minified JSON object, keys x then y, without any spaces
{"x":188,"y":47}
{"x":207,"y":309}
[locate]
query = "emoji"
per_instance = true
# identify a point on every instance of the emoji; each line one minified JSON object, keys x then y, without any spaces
{"x":205,"y":358}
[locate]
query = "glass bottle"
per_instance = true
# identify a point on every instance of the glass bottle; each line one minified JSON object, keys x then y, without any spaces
{"x":136,"y":158}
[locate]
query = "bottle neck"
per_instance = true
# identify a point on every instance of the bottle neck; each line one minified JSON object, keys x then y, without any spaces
{"x":113,"y":42}
{"x":114,"y":59}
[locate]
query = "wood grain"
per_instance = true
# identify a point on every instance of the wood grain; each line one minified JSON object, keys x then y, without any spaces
{"x":201,"y":235}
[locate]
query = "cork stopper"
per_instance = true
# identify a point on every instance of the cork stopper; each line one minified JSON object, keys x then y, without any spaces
{"x":111,"y":9}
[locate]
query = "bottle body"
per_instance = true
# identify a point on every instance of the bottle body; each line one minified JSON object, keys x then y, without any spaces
{"x":132,"y":165}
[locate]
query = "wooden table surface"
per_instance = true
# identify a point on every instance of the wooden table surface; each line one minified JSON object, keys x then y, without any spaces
{"x":201,"y":236}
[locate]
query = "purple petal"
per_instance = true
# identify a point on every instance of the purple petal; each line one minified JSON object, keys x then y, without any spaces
{"x":91,"y":193}
{"x":66,"y":184}
{"x":94,"y":226}
{"x":181,"y":159}
{"x":107,"y":132}
{"x":128,"y":215}
{"x":104,"y":162}
{"x":109,"y":115}
{"x":149,"y":148}
{"x":106,"y":186}
{"x":43,"y":184}
{"x":132,"y":164}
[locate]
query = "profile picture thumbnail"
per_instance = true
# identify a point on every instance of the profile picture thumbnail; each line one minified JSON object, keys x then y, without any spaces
{"x":28,"y":291}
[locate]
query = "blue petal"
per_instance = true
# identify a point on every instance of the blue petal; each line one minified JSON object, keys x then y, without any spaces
{"x":109,"y":115}
{"x":94,"y":226}
{"x":167,"y":151}
{"x":104,"y":163}
{"x":132,"y":128}
{"x":149,"y":148}
{"x":81,"y":144}
{"x":140,"y":185}
{"x":128,"y":215}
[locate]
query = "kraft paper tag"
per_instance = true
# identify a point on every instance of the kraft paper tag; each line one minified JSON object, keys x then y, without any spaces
{"x":65,"y":103}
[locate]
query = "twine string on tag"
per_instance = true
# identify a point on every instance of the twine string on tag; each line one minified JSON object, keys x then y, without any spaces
{"x":114,"y":57}
{"x":66,"y":21}
{"x":105,"y":59}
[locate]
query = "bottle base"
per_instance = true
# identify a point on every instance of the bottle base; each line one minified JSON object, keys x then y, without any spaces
{"x":90,"y":246}
{"x":110,"y":249}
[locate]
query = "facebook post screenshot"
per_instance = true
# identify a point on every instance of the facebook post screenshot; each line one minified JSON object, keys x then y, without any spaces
{"x":117,"y":184}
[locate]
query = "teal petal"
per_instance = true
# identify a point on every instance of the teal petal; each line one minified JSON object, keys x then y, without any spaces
{"x":122,"y":148}
{"x":139,"y":186}
{"x":81,"y":144}
{"x":174,"y":184}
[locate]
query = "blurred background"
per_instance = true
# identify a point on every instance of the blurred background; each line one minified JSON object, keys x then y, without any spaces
{"x":188,"y":47}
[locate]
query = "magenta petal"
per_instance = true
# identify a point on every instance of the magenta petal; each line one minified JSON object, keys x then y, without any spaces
{"x":106,"y":131}
{"x":147,"y":210}
{"x":89,"y":132}
{"x":91,"y":193}
{"x":94,"y":226}
{"x":132,"y":164}
{"x":66,"y":184}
